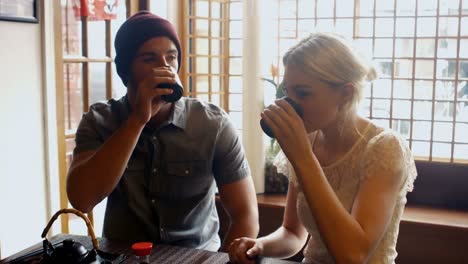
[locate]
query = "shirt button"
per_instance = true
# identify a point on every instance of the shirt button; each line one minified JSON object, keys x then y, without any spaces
{"x":155,"y":170}
{"x":154,"y":138}
{"x":186,"y":171}
{"x":153,"y":201}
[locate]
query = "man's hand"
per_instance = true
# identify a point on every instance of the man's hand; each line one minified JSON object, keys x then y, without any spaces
{"x":147,"y":101}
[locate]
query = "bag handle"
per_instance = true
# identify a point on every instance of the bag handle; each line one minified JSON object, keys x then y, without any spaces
{"x":78,"y":213}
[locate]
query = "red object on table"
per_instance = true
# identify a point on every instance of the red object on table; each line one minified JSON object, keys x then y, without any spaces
{"x":142,"y":248}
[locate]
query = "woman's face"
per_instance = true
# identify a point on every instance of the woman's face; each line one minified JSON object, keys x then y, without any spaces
{"x":319,"y":101}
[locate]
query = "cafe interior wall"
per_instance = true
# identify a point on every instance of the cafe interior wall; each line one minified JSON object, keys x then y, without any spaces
{"x":27,"y":120}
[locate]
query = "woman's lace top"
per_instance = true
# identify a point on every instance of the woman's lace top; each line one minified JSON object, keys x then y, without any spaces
{"x":376,"y":151}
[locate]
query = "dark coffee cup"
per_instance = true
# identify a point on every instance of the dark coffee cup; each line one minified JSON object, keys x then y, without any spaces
{"x":177,"y":89}
{"x":296,"y":107}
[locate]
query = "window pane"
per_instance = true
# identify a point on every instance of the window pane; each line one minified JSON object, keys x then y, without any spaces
{"x":422,"y":130}
{"x":96,"y":39}
{"x":305,"y":27}
{"x":366,"y":7}
{"x":202,"y":83}
{"x":344,"y":8}
{"x":201,"y":46}
{"x":201,"y":27}
{"x":448,"y":26}
{"x":215,"y":66}
{"x":236,"y":118}
{"x":464,"y":48}
{"x":384,"y":7}
{"x":404,"y":27}
{"x":385,"y":68}
{"x":202,"y":8}
{"x":460,"y":151}
{"x":427,"y":7}
{"x":426,"y":27}
{"x":71,"y":28}
{"x":306,"y":8}
{"x":447,"y":48}
{"x":449,"y":7}
{"x":423,"y":89}
{"x":425,"y":48}
{"x":235,"y":84}
{"x":422,"y":110}
{"x":215,"y":84}
{"x":235,"y":10}
{"x":216,"y":99}
{"x":420,"y":149}
{"x":365,"y":27}
{"x":402,"y":89}
{"x":406,"y":7}
{"x":446,"y":69}
{"x":216,"y":29}
{"x":235,"y":102}
{"x":381,"y":108}
{"x":97,"y":82}
{"x":403,"y":48}
{"x":402,"y":127}
{"x":288,"y":9}
{"x":325,"y":25}
{"x":235,"y":47}
{"x":382,"y":88}
{"x":441,"y":150}
{"x":325,"y":8}
{"x":443,"y":111}
{"x":216,"y":9}
{"x":235,"y":29}
{"x":235,"y":66}
{"x":384,"y":27}
{"x":460,"y":132}
{"x":445,"y":90}
{"x":442,"y":131}
{"x":364,"y":108}
{"x":345,"y":27}
{"x":215,"y":47}
{"x":202,"y":65}
{"x":464,"y":26}
{"x":287,"y":28}
{"x":73,"y":85}
{"x":383,"y":47}
{"x":401,"y":109}
{"x":424,"y":69}
{"x":403,"y":68}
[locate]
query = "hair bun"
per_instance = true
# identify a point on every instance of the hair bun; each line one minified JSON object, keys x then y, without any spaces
{"x":371,"y":73}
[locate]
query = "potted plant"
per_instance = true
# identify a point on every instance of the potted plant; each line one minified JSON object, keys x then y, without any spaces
{"x":274,"y":182}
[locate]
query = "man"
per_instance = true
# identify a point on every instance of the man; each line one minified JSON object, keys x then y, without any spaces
{"x":157,"y":162}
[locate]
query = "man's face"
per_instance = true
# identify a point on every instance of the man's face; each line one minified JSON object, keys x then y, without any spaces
{"x":154,"y":53}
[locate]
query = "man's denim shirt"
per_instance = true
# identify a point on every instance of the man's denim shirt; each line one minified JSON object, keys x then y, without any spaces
{"x":166,"y":194}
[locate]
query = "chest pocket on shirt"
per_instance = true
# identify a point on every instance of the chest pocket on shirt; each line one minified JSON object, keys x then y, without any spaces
{"x":187,"y":178}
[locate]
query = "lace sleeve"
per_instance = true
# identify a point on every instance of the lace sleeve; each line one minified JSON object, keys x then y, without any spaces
{"x":284,"y":167}
{"x":388,"y":152}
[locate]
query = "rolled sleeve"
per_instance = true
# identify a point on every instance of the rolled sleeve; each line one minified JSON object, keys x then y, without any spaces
{"x":87,"y":137}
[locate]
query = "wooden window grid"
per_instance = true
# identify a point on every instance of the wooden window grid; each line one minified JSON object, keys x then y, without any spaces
{"x":447,"y":130}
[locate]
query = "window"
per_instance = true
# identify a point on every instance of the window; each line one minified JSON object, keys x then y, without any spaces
{"x":89,"y":76}
{"x":420,"y":50}
{"x":214,"y":54}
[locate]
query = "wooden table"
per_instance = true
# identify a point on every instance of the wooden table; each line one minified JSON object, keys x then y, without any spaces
{"x":164,"y":254}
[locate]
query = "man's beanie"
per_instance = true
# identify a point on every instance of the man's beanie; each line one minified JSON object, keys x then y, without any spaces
{"x":135,"y":31}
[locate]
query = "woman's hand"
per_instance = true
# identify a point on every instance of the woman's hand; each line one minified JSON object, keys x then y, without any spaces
{"x":288,"y":129}
{"x":147,"y":101}
{"x":244,"y":250}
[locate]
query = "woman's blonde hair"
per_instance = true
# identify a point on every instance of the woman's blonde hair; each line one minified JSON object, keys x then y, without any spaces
{"x":332,"y":60}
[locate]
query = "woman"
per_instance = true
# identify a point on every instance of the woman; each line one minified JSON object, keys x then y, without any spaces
{"x":348,"y":177}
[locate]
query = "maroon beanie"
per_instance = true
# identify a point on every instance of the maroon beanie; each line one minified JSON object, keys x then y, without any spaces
{"x":135,"y":31}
